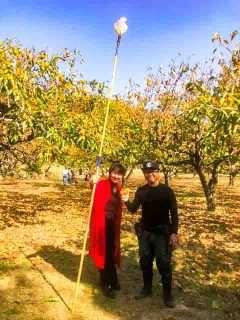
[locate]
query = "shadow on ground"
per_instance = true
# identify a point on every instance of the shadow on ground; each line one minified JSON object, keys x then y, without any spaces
{"x":192,"y":298}
{"x":18,"y":207}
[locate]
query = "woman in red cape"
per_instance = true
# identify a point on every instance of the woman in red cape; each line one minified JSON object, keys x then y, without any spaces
{"x":105,"y":229}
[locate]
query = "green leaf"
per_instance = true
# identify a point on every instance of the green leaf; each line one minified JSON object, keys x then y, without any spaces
{"x":189,"y":86}
{"x":233,"y":34}
{"x":216,"y":304}
{"x":53,"y":299}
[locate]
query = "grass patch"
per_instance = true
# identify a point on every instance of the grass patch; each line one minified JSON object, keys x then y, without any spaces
{"x":12,"y":311}
{"x":6,"y":266}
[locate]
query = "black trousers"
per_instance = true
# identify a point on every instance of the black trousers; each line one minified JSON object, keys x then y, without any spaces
{"x":152,"y":245}
{"x":108,"y":275}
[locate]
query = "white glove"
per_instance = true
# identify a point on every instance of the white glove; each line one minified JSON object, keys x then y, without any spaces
{"x":95,"y":178}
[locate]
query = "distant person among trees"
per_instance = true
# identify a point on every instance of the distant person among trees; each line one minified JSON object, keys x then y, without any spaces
{"x":73,"y":177}
{"x":65,"y":176}
{"x":105,"y":228}
{"x":157,"y":232}
{"x":87,"y":177}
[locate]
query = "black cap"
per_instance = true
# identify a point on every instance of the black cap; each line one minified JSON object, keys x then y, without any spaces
{"x":150,"y":165}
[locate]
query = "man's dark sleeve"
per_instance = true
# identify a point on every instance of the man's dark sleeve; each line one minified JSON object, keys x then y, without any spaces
{"x":173,"y":212}
{"x":134,"y":205}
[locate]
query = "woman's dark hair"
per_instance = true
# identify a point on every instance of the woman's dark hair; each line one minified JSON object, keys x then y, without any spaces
{"x":118,"y":168}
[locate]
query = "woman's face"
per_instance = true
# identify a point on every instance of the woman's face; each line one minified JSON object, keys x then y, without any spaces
{"x":115,"y":177}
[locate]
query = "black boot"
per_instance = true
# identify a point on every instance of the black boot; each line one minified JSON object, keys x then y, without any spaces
{"x":147,"y":286}
{"x":168,"y":299}
{"x":167,"y":286}
{"x":144,"y":293}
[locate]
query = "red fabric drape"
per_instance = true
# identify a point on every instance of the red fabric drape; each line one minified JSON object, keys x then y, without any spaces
{"x":97,"y":249}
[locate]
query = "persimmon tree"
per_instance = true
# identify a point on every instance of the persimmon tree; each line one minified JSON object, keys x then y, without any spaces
{"x":210,"y":127}
{"x":195,"y":115}
{"x":35,"y":101}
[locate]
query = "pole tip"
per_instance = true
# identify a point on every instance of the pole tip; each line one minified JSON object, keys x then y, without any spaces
{"x":120,"y":26}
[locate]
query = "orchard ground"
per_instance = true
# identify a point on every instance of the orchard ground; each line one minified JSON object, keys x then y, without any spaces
{"x":42,"y":224}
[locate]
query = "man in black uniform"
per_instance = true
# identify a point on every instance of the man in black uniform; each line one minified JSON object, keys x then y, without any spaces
{"x":158,"y":230}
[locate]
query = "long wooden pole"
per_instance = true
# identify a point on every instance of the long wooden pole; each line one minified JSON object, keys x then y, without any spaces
{"x":97,"y":171}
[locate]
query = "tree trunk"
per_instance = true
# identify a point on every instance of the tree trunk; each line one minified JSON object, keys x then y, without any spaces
{"x":231,"y":180}
{"x":211,"y":194}
{"x":129,"y":174}
{"x":209,"y":187}
{"x":166,"y":177}
{"x":232,"y":177}
{"x":47,"y":170}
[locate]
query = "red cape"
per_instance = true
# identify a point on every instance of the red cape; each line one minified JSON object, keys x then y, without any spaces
{"x":97,"y":249}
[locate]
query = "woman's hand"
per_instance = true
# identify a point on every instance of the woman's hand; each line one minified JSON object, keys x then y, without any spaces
{"x":95,"y":178}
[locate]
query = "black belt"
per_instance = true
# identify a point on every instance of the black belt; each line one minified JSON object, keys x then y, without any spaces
{"x":161,"y":228}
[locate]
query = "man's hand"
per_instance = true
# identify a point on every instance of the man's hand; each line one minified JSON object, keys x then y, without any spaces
{"x":125,"y":194}
{"x":174,"y":240}
{"x":125,"y":197}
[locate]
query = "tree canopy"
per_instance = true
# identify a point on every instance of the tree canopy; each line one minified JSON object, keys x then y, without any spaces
{"x":186,"y":116}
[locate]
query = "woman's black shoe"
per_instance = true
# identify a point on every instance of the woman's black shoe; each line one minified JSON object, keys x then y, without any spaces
{"x":116,"y":287}
{"x":108,"y":292}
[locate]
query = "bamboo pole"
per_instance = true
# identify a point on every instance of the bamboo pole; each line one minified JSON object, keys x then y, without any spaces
{"x":97,"y":171}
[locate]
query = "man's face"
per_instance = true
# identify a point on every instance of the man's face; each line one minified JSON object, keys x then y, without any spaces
{"x":151,"y":176}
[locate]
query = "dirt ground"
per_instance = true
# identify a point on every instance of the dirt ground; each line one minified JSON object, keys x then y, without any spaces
{"x":42,"y":224}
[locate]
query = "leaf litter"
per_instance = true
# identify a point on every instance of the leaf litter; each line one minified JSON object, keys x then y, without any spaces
{"x":42,"y":227}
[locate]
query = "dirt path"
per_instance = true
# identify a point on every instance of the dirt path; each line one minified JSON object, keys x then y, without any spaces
{"x":41,"y":227}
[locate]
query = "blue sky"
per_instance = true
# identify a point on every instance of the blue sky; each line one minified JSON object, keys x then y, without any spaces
{"x":158,"y":31}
